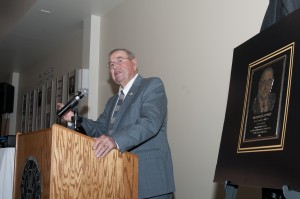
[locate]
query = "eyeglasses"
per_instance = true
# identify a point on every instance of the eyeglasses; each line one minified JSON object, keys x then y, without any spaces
{"x":119,"y":60}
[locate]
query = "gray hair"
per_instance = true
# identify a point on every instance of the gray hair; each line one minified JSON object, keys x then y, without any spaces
{"x":128,"y":52}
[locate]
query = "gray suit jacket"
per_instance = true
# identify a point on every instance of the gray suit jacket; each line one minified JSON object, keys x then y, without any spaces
{"x":140,"y":128}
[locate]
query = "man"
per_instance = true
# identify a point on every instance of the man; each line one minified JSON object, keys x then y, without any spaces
{"x":265,"y":99}
{"x":138,"y":125}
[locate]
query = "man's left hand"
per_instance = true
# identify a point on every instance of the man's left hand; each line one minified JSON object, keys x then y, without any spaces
{"x":103,"y":145}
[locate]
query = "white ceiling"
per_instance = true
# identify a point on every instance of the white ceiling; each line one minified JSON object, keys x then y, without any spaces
{"x":27,"y":33}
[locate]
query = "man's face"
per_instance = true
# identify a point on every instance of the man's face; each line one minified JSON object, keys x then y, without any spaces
{"x":265,"y":84}
{"x":123,"y":69}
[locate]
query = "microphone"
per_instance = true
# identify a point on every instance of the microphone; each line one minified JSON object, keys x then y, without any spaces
{"x":73,"y":102}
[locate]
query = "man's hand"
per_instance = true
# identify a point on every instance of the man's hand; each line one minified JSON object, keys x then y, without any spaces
{"x":103,"y":145}
{"x":68,"y":115}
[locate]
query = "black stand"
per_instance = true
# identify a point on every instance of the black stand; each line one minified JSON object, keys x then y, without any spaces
{"x":290,"y":194}
{"x":230,"y":190}
{"x":76,"y":120}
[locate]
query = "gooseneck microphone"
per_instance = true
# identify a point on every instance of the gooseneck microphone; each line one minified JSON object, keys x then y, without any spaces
{"x":73,"y":102}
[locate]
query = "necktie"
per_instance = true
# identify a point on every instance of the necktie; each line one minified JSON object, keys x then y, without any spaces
{"x":117,"y":108}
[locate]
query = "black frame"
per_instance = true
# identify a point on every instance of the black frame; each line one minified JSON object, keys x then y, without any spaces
{"x":269,"y":161}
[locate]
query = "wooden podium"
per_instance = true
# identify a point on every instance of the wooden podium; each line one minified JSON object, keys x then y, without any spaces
{"x":60,"y":163}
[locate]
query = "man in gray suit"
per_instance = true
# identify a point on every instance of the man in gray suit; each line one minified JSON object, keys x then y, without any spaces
{"x":138,"y":125}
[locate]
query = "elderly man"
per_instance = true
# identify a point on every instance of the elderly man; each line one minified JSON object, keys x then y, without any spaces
{"x":135,"y":120}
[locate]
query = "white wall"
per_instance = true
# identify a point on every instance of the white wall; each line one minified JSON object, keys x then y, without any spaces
{"x":64,"y":59}
{"x":189,"y":44}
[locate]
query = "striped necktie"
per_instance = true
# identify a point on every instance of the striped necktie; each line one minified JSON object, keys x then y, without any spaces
{"x":115,"y":112}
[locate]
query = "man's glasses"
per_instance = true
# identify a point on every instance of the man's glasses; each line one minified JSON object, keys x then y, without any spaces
{"x":119,"y":60}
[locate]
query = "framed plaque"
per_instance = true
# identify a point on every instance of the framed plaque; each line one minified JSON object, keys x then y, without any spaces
{"x":266,"y":102}
{"x":24,"y":113}
{"x":260,"y":141}
{"x":71,"y":84}
{"x":38,"y":108}
{"x":48,"y":104}
{"x":31,"y":114}
{"x":59,"y":96}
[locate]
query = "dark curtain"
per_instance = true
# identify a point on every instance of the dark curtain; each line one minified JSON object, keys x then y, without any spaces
{"x":277,"y":9}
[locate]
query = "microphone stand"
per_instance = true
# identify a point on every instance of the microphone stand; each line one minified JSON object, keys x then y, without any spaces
{"x":76,"y":120}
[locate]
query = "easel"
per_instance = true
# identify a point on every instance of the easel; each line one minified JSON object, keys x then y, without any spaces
{"x":231,"y":190}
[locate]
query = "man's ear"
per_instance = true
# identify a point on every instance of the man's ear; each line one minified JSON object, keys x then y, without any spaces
{"x":134,"y":63}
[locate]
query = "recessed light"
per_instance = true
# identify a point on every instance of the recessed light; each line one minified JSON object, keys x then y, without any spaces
{"x":46,"y":11}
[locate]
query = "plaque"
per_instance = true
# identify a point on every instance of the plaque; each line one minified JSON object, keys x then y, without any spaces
{"x":266,"y":102}
{"x":260,"y":140}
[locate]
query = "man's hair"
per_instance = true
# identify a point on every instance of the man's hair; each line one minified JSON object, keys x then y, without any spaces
{"x":128,"y":52}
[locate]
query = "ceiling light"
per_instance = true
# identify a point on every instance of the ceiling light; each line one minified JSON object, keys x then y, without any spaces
{"x":46,"y":11}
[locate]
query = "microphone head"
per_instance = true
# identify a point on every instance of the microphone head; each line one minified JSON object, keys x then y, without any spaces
{"x":83,"y":92}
